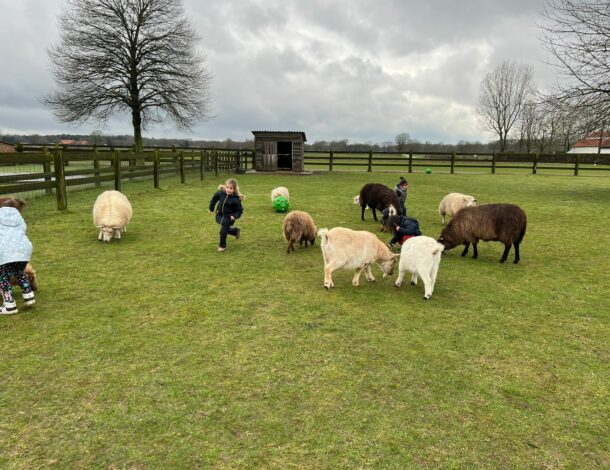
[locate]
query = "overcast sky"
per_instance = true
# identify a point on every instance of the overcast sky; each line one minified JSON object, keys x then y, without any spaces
{"x":364,"y":70}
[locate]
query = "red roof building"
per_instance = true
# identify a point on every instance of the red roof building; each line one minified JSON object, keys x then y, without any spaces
{"x":591,"y":143}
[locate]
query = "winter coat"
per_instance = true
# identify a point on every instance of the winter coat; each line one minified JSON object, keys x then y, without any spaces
{"x":410,"y":225}
{"x":401,"y":193}
{"x":226,"y":206}
{"x":14,"y":244}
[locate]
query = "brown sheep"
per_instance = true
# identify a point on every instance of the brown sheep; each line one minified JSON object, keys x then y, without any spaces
{"x":505,"y":223}
{"x":15,"y":202}
{"x":378,"y":197}
{"x":299,"y":227}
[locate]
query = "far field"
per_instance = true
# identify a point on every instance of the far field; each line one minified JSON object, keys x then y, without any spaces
{"x":155,"y":351}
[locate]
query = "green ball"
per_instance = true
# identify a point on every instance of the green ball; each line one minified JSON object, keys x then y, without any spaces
{"x":428,"y":170}
{"x":280,"y":204}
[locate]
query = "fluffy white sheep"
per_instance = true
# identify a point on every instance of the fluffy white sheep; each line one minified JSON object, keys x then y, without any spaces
{"x":350,"y":249}
{"x":421,"y":256}
{"x":111,"y":214}
{"x":280,"y":191}
{"x":453,"y":202}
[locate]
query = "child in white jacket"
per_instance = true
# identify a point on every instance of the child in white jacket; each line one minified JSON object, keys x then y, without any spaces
{"x":15,"y":252}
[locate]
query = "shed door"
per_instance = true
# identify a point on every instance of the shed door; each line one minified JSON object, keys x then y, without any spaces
{"x":270,"y":155}
{"x":284,"y":156}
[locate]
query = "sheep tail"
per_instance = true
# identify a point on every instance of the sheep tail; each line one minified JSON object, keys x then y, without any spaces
{"x":438,"y":249}
{"x":323,"y":237}
{"x":521,"y":235}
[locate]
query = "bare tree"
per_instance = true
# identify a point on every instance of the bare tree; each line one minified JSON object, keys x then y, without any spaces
{"x":402,"y":140}
{"x":502,"y":95}
{"x":128,"y":55}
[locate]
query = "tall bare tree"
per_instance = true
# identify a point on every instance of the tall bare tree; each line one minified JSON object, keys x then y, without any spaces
{"x":402,"y":140}
{"x":502,"y":95}
{"x":577,"y":34}
{"x":137,"y":56}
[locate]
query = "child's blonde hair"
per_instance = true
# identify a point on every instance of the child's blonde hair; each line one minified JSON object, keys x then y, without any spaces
{"x":233,"y":183}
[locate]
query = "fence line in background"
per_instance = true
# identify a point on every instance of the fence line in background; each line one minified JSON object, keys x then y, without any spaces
{"x":58,"y":169}
{"x":409,"y":162}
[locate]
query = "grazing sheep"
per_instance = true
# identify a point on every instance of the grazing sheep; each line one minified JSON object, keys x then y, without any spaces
{"x":30,"y":272}
{"x":505,"y":223}
{"x":15,"y":202}
{"x":420,"y":256}
{"x":280,"y":191}
{"x":111,"y":214}
{"x":299,"y":227}
{"x":453,"y":202}
{"x":378,"y":197}
{"x":349,"y":249}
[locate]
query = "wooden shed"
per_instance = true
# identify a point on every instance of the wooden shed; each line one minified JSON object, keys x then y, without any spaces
{"x":279,"y":150}
{"x":6,"y":147}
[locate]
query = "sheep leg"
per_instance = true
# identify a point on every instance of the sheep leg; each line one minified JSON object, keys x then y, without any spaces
{"x":363,"y":207}
{"x":401,"y":275}
{"x":414,"y":278}
{"x":328,"y":281}
{"x":427,"y":285}
{"x":517,"y":257}
{"x":374,"y":214}
{"x":465,"y":252}
{"x":356,"y":279}
{"x":443,"y":218}
{"x":475,"y":255}
{"x":369,"y":273}
{"x":505,"y":254}
{"x":100,"y":237}
{"x":289,"y":247}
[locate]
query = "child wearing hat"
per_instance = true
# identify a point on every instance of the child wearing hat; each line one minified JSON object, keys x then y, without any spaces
{"x":401,"y":192}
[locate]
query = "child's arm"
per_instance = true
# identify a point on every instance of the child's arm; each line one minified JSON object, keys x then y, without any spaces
{"x":213,"y":201}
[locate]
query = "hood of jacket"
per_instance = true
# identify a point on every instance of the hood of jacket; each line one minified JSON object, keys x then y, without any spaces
{"x":10,"y":217}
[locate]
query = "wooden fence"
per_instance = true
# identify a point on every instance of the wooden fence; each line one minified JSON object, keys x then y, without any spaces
{"x":63,"y":168}
{"x":454,"y":162}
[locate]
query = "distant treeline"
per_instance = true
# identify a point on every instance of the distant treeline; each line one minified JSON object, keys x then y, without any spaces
{"x":321,"y":145}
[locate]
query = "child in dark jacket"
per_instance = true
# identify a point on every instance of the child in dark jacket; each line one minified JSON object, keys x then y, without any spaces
{"x":227,"y":201}
{"x":401,"y":191}
{"x":402,"y":226}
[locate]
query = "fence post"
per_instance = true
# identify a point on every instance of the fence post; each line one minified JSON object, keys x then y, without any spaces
{"x":156,"y":165}
{"x":493,"y":163}
{"x":201,"y":165}
{"x":535,"y":164}
{"x":215,"y":161}
{"x":452,"y":163}
{"x":60,"y":180}
{"x":237,"y":161}
{"x":96,"y":165}
{"x":370,"y":168}
{"x":411,"y":162}
{"x":330,"y":160}
{"x":182,"y":176}
{"x":46,"y":167}
{"x":117,"y":170}
{"x":576,"y":159}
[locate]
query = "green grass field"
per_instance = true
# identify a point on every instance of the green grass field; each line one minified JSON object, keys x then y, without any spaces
{"x":155,"y":351}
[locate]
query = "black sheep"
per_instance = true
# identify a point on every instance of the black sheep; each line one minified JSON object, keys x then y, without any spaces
{"x":378,"y":197}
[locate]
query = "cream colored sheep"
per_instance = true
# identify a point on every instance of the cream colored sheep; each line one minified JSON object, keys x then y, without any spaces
{"x":350,"y":249}
{"x":280,"y":191}
{"x":111,"y":214}
{"x":453,"y":202}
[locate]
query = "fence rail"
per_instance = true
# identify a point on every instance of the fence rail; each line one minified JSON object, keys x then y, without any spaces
{"x":55,"y":170}
{"x":456,"y":161}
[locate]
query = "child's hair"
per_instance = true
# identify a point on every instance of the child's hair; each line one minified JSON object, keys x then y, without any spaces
{"x":233,"y":182}
{"x":402,"y":181}
{"x":15,"y":202}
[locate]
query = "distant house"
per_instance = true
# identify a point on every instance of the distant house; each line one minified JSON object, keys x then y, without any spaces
{"x":591,"y":143}
{"x":73,"y":142}
{"x":6,"y":147}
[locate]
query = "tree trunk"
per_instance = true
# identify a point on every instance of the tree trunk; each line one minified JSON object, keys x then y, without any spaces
{"x":136,"y":119}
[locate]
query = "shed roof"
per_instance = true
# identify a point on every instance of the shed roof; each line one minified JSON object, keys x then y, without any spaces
{"x":286,"y":134}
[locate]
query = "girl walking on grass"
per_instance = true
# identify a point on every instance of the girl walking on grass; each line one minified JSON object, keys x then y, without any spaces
{"x":15,"y":252}
{"x":227,"y":201}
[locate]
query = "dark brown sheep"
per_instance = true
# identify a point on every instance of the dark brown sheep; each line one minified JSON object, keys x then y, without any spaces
{"x":15,"y":202}
{"x":299,"y":227}
{"x":505,"y":223}
{"x":378,"y":197}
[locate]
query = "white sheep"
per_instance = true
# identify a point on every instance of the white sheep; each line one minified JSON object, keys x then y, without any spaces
{"x":421,"y":256}
{"x":350,"y":249}
{"x":453,"y":202}
{"x":111,"y":214}
{"x":280,"y":191}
